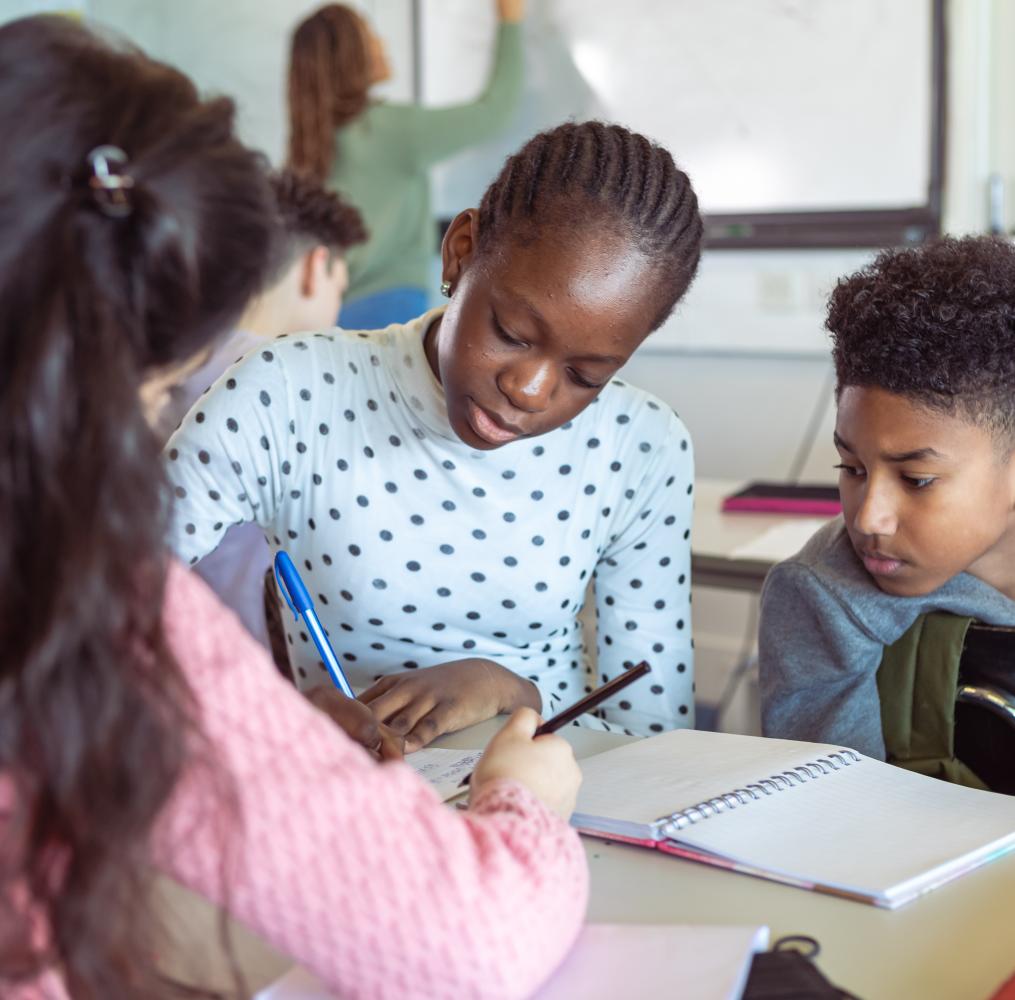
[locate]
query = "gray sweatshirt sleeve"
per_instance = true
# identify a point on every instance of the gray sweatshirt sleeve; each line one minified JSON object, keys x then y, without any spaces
{"x":817,"y":665}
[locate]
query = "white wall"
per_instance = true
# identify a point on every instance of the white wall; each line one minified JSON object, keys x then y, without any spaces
{"x":746,"y":412}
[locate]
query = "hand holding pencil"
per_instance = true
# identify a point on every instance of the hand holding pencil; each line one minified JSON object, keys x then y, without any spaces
{"x":556,"y":778}
{"x":545,"y":765}
{"x":586,"y":704}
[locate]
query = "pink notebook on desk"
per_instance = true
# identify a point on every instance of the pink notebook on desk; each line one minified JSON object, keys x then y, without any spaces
{"x":785,"y":498}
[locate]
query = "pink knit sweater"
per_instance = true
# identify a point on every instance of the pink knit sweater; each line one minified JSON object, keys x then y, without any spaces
{"x":354,"y":868}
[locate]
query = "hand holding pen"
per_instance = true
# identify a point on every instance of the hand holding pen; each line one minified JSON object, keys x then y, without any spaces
{"x":300,"y":603}
{"x":339,"y":703}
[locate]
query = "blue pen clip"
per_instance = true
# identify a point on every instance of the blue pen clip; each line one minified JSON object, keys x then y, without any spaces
{"x":282,"y":559}
{"x":298,"y":598}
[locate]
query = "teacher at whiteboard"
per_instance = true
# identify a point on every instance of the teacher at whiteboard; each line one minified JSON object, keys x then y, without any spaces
{"x":377,"y":154}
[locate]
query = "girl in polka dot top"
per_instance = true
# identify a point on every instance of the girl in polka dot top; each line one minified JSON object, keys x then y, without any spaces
{"x":449,"y":488}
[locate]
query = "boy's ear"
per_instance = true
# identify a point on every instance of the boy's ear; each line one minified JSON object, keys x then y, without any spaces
{"x":313,"y":265}
{"x":458,"y":247}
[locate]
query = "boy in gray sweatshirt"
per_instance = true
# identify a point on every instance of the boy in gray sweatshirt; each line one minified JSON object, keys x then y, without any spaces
{"x":924,"y":352}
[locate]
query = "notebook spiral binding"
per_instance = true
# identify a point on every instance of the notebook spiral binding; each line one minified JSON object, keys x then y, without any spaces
{"x":755,"y":790}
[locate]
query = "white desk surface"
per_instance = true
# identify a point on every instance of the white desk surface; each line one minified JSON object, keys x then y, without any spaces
{"x":957,"y":943}
{"x":716,"y":537}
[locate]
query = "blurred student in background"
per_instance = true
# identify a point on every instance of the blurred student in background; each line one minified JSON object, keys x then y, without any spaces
{"x":303,"y":291}
{"x":378,"y":154}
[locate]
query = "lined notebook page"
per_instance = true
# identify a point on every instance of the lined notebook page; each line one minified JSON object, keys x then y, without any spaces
{"x":869,"y":826}
{"x":444,"y":769}
{"x":640,"y":782}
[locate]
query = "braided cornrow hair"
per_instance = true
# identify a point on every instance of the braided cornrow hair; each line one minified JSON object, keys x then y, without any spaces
{"x":590,"y":174}
{"x":329,"y":80}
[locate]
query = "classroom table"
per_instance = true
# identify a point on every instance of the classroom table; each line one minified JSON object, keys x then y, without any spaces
{"x":715,"y":538}
{"x":957,"y":943}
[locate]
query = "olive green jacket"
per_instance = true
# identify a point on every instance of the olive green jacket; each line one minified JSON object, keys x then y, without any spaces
{"x":917,"y":683}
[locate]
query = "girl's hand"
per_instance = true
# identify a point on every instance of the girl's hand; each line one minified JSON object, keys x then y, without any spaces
{"x":511,"y":10}
{"x":545,"y":765}
{"x":424,"y":704}
{"x":358,"y":722}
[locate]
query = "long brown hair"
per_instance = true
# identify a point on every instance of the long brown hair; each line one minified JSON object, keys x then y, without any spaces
{"x":330,"y":72}
{"x":96,"y":719}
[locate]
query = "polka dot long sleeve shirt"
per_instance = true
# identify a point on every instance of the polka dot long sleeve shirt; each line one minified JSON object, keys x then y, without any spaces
{"x":419,"y":549}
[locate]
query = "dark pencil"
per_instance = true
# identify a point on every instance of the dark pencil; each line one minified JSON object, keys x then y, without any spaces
{"x":590,"y":701}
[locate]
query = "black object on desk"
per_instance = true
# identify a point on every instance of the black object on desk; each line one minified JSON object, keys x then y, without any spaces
{"x":788,"y":972}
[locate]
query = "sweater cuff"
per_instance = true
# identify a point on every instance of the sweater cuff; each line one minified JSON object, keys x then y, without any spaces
{"x":503,"y":795}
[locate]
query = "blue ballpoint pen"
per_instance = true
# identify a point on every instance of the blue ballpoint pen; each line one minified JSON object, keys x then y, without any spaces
{"x":298,"y":598}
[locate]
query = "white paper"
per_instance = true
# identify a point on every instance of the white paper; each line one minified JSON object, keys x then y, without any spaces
{"x":636,"y":962}
{"x":781,"y":541}
{"x":867,"y":827}
{"x":444,"y":769}
{"x":639,"y":962}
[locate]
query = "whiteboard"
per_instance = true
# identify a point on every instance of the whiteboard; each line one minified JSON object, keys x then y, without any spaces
{"x":769,"y":105}
{"x":239,"y":48}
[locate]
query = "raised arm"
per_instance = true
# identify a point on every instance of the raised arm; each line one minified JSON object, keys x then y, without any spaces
{"x":437,"y":133}
{"x":355,"y":868}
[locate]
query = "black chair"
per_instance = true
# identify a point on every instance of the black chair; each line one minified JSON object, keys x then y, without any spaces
{"x":985,"y":706}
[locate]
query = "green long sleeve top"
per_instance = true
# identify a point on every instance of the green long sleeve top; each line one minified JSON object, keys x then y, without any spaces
{"x":381,"y":164}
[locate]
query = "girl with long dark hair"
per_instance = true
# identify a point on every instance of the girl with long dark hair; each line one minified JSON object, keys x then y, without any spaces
{"x":140,"y":727}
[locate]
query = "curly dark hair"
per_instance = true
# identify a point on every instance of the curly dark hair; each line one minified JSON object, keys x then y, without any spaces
{"x":936,"y":324}
{"x":310,"y":216}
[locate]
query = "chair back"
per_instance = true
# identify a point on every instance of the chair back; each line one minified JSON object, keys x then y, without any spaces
{"x":985,"y":705}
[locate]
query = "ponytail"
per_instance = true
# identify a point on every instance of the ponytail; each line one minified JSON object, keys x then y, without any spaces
{"x":329,"y":79}
{"x":111,"y":262}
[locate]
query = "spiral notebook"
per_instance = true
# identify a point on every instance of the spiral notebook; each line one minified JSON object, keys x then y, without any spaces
{"x":819,"y":817}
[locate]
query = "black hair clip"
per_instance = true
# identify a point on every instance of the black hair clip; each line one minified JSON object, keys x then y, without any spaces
{"x":110,"y":183}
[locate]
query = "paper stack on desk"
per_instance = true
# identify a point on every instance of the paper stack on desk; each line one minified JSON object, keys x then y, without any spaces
{"x":636,"y":962}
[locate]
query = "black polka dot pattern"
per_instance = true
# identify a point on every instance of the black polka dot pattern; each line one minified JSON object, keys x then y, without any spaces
{"x":419,"y":550}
